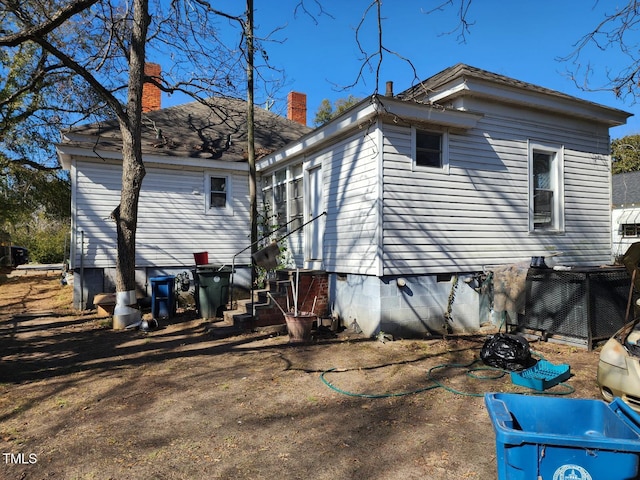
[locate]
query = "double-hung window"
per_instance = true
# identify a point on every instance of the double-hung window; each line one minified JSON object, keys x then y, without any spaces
{"x":546,"y":209}
{"x":218,"y":194}
{"x":430,"y":149}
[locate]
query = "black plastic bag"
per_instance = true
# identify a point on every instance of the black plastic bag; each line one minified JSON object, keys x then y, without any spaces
{"x":507,"y":351}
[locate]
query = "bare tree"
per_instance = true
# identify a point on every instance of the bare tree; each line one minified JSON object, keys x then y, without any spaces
{"x":41,"y":26}
{"x":372,"y":60}
{"x":105,"y":45}
{"x":616,"y":32}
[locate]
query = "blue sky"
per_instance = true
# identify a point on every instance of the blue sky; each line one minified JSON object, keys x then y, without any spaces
{"x":517,"y":38}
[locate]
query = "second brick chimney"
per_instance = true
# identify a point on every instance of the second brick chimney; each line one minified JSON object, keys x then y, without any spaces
{"x":151,"y":94}
{"x":297,"y":107}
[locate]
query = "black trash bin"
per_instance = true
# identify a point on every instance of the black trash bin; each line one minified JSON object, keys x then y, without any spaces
{"x":212,"y":289}
{"x":19,"y":255}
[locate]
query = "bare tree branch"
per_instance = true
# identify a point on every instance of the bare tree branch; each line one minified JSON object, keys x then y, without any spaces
{"x":617,"y":31}
{"x":68,"y":62}
{"x":43,"y":29}
{"x":464,"y":26}
{"x":302,"y":6}
{"x":379,"y":53}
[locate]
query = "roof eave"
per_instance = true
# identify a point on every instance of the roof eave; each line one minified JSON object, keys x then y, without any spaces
{"x":362,"y":114}
{"x":550,"y":101}
{"x":67,"y":152}
{"x":355,"y":117}
{"x":427,"y":113}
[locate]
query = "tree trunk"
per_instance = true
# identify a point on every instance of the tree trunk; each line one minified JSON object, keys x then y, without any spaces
{"x":126,"y":215}
{"x":253,"y":207}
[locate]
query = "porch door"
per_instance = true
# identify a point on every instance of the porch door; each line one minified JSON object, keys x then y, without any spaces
{"x":314,"y":231}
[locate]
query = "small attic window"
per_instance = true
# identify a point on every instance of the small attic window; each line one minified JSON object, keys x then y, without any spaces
{"x":430,"y":149}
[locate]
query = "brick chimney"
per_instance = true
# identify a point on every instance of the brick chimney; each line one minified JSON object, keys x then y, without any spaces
{"x":151,"y":95}
{"x":297,"y":107}
{"x":389,"y":90}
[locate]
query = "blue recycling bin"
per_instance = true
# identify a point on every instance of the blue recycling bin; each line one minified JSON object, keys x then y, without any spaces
{"x":163,"y":298}
{"x":564,"y":438}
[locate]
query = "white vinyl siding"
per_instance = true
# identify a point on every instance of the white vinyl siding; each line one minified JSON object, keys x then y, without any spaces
{"x":351,"y":193}
{"x":478,"y":215}
{"x":172,"y":219}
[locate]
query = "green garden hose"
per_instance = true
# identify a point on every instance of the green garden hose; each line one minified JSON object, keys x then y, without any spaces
{"x":495,"y":374}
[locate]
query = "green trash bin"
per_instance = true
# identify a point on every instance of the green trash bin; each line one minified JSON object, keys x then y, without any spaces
{"x":212,"y":285}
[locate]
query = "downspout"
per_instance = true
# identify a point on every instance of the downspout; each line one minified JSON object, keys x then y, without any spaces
{"x":82,"y":306}
{"x":380,"y":205}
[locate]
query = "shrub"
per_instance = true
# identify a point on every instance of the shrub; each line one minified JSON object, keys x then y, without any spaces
{"x":45,"y":245}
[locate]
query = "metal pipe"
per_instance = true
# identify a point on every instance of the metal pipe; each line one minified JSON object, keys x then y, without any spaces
{"x":277,"y":304}
{"x":233,"y":260}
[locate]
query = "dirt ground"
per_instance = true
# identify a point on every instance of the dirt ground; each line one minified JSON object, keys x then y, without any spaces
{"x":79,"y":400}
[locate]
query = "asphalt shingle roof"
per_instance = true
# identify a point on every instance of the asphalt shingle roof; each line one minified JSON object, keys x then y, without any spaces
{"x":626,"y":188}
{"x":462,"y":70}
{"x":216,"y":131}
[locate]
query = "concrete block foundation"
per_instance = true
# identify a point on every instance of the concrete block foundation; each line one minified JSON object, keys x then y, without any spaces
{"x":406,"y":306}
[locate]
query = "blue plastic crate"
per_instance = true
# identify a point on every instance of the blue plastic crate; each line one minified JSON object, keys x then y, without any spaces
{"x":560,"y":438}
{"x":541,"y":376}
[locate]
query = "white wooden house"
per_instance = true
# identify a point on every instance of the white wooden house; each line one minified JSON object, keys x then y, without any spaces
{"x":425,"y":190}
{"x":194,"y":197}
{"x":416,"y":194}
{"x":625,"y":212}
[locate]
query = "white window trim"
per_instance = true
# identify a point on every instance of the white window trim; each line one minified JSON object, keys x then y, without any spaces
{"x":557,"y":181}
{"x":445,"y":150}
{"x":228,"y":209}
